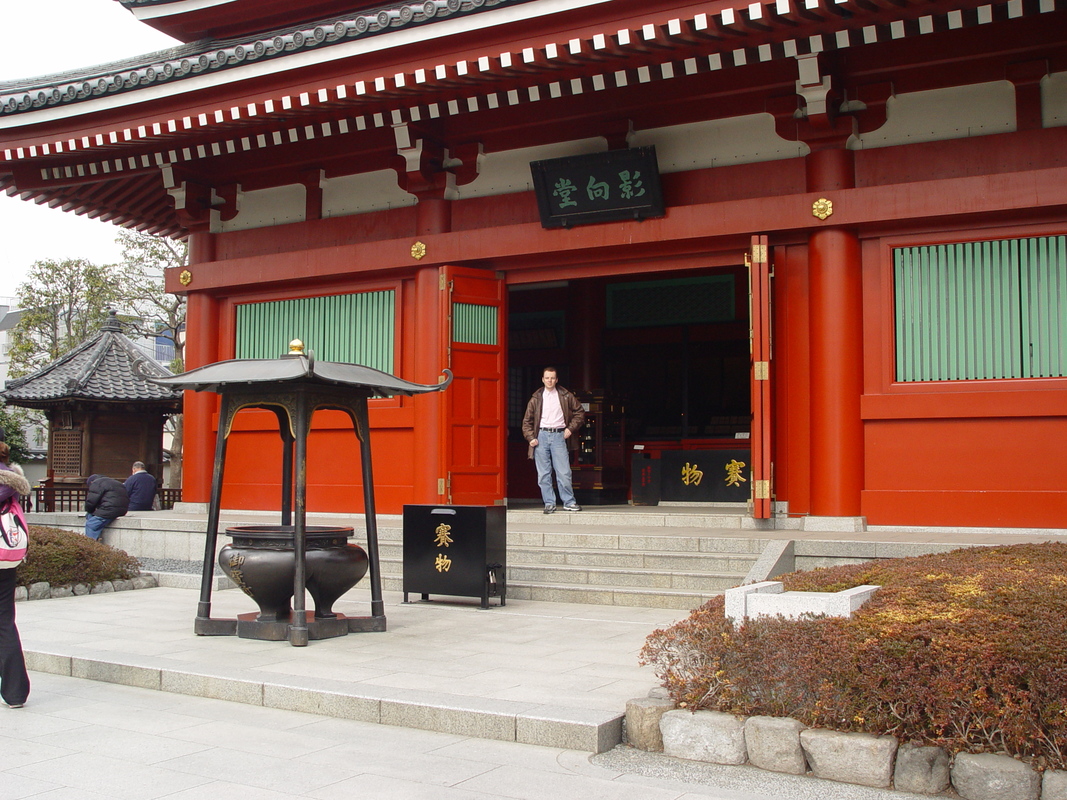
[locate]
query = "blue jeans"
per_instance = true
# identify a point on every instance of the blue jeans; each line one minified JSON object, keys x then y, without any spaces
{"x":551,"y":454}
{"x":94,"y":525}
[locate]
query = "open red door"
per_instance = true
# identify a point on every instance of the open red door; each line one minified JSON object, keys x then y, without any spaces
{"x":475,"y":403}
{"x":759,"y":271}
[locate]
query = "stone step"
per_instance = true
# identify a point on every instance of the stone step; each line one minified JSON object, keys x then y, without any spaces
{"x":601,"y":558}
{"x":726,"y":518}
{"x":618,"y":578}
{"x":607,"y":539}
{"x":635,"y":560}
{"x":713,"y":580}
{"x":608,"y":595}
{"x":726,"y":562}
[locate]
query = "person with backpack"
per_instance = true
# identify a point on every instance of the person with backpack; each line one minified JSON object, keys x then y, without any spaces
{"x":14,"y":680}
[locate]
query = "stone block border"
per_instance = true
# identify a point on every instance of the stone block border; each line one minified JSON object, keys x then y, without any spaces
{"x":504,"y":720}
{"x":44,"y":591}
{"x":785,"y":745}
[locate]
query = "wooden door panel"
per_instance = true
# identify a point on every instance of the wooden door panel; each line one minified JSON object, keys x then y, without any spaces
{"x":475,"y":409}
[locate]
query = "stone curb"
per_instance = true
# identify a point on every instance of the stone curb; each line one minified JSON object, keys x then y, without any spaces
{"x":781,"y":744}
{"x":44,"y":591}
{"x":505,"y":720}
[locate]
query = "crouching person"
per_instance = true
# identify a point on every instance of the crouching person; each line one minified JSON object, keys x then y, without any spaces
{"x":105,"y":502}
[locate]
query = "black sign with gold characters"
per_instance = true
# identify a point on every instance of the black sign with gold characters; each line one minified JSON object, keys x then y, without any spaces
{"x":600,"y":187}
{"x":706,"y":476}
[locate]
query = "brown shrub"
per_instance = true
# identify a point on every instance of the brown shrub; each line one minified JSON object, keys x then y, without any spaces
{"x":966,"y":650}
{"x":62,"y":558}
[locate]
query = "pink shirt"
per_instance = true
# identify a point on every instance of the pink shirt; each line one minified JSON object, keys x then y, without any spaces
{"x":551,"y":410}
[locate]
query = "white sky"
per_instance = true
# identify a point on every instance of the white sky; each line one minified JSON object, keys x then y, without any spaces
{"x":67,"y":34}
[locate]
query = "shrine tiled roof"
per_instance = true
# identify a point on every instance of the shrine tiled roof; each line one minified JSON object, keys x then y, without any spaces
{"x":108,"y":368}
{"x":207,"y":57}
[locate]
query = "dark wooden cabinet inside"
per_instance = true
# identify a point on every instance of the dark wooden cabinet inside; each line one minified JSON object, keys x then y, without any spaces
{"x":600,"y":471}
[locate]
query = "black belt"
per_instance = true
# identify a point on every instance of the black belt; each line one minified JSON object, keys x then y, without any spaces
{"x":553,"y":430}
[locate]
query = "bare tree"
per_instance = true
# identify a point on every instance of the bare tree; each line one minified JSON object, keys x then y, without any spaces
{"x":152,"y":313}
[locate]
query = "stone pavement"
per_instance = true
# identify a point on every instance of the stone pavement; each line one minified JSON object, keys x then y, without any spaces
{"x":88,"y":740}
{"x":535,"y":672}
{"x":506,"y":702}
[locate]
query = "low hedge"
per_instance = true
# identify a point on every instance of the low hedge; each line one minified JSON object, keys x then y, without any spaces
{"x":61,"y":558}
{"x":965,"y":650}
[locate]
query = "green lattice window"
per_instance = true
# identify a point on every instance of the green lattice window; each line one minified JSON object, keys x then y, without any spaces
{"x":355,"y":328}
{"x":474,"y":324}
{"x":981,"y":310}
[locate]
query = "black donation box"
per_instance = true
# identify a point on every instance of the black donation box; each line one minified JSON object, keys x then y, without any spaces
{"x":456,"y":550}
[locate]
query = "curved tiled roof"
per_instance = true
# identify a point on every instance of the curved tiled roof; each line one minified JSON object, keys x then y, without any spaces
{"x":199,"y":58}
{"x":112,"y":172}
{"x":107,"y":368}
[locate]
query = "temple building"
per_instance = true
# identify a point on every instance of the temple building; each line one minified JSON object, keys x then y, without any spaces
{"x":808,"y":254}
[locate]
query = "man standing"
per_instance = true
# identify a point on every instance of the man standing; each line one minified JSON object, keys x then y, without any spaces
{"x":553,"y":417}
{"x":105,"y":502}
{"x":141,"y":487}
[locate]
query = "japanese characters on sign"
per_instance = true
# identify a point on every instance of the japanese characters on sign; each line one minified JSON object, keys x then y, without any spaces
{"x":691,"y":475}
{"x":733,"y":472}
{"x":706,"y":476}
{"x":442,"y":538}
{"x":601,"y":187}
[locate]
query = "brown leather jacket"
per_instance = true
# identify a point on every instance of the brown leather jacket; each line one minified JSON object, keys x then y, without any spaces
{"x":573,"y":413}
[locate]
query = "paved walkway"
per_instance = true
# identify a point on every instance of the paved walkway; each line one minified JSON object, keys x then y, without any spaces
{"x":453,"y":702}
{"x":504,"y":703}
{"x":86,"y":740}
{"x":541,"y":673}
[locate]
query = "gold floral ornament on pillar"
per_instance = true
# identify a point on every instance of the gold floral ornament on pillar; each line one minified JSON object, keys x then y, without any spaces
{"x":185,"y":277}
{"x":822,"y":208}
{"x":418,"y":251}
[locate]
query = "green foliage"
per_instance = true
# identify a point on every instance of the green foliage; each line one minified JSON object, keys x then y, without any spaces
{"x":63,"y":557}
{"x":966,"y":650}
{"x":14,"y":420}
{"x":63,"y":303}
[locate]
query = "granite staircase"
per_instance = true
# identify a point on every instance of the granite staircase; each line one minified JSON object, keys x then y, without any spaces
{"x":593,"y":558}
{"x":663,"y":560}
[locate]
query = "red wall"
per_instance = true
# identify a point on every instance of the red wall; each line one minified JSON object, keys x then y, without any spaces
{"x":971,"y":453}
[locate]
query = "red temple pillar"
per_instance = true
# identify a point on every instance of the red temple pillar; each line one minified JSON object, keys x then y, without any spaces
{"x":201,"y":347}
{"x":429,"y":465}
{"x":836,"y":340}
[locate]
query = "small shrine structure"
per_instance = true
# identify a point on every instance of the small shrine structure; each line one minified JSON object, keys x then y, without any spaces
{"x":103,"y":413}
